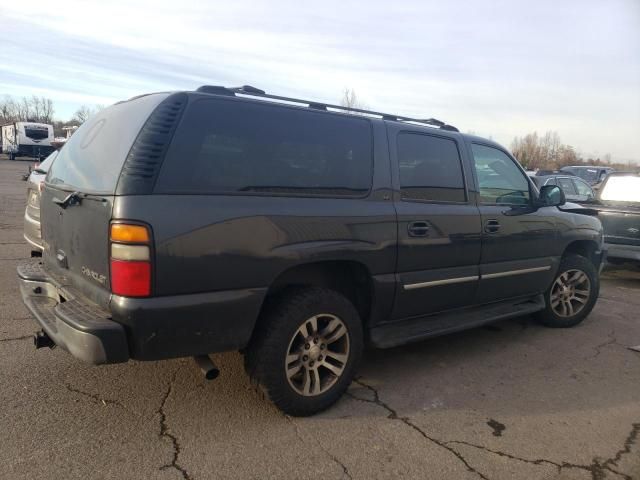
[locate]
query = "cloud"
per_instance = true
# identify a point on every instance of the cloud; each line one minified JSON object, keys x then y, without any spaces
{"x":500,"y":69}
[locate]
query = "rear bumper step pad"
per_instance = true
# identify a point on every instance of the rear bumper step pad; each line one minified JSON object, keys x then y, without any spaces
{"x":73,"y":323}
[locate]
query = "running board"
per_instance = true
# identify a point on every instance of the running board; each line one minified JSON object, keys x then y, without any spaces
{"x":418,"y":328}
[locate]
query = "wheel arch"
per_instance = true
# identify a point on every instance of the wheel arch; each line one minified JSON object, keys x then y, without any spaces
{"x":349,"y":278}
{"x":585,"y":248}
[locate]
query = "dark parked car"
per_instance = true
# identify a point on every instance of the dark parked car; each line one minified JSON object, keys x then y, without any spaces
{"x":619,"y":210}
{"x":591,"y":174}
{"x":182,"y":224}
{"x":35,"y":181}
{"x":575,"y":189}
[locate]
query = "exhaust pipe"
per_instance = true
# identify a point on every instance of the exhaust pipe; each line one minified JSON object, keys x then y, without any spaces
{"x":41,"y":340}
{"x":207,"y":367}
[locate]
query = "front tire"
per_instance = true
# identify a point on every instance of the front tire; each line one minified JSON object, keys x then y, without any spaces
{"x":305,"y":349}
{"x":572,"y":295}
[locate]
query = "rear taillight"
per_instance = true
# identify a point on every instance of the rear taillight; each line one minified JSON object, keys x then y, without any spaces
{"x":130,"y":253}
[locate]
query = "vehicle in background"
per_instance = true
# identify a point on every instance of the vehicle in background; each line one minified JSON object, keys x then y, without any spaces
{"x":32,"y":232}
{"x":575,"y":189}
{"x":619,"y":211}
{"x":591,"y":174}
{"x":188,"y":223}
{"x":27,"y":139}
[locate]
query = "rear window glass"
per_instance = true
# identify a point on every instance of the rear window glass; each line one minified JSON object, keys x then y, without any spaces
{"x":226,"y":146}
{"x":92,"y":158}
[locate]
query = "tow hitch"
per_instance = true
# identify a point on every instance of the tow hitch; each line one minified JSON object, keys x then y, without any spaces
{"x":41,"y":340}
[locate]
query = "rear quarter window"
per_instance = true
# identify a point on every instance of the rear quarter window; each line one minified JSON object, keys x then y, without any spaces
{"x":237,"y":147}
{"x":91,"y":160}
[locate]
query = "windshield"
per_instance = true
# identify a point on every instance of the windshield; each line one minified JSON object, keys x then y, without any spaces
{"x":92,"y":158}
{"x":621,"y":189}
{"x":46,"y":163}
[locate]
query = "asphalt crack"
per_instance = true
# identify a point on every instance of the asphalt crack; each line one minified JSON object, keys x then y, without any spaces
{"x":598,"y":468}
{"x":393,"y":415}
{"x":165,"y":433}
{"x":631,"y":440}
{"x":345,"y":470}
{"x":14,"y":339}
{"x":97,"y":399}
{"x":611,"y":341}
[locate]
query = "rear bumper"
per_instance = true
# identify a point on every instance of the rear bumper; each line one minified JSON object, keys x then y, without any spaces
{"x":626,"y":252}
{"x":74,"y":324}
{"x":153,"y":328}
{"x":185,"y":325}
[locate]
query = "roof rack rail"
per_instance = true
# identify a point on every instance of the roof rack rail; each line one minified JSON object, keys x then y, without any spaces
{"x":248,"y":90}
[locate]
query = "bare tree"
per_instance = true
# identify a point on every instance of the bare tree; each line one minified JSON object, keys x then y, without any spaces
{"x":536,"y":152}
{"x":548,"y":152}
{"x":8,"y":110}
{"x":84,"y":112}
{"x":24,"y":110}
{"x":34,"y":109}
{"x":351,"y":100}
{"x":46,"y":110}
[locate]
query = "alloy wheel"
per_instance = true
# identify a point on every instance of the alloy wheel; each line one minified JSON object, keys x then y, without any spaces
{"x":317,"y":355}
{"x":570,"y":293}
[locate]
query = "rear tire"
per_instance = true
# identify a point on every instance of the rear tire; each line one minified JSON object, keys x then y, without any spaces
{"x":572,"y":295}
{"x":305,"y":349}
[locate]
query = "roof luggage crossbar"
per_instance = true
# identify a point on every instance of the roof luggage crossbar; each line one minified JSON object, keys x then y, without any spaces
{"x":248,"y":90}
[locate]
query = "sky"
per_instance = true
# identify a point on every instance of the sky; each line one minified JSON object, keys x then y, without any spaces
{"x":497,"y":68}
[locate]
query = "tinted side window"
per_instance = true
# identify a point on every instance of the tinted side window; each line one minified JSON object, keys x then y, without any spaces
{"x":500,"y":180}
{"x":582,"y":188}
{"x":227,"y":146}
{"x":567,"y":186}
{"x":430,"y":168}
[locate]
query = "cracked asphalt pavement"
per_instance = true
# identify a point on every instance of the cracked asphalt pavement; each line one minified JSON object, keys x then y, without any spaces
{"x":512,"y":400}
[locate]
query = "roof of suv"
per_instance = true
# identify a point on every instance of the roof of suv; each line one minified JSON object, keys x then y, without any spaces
{"x":250,"y":93}
{"x":255,"y":93}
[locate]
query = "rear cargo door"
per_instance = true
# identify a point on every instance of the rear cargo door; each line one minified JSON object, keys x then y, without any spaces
{"x":78,"y":196}
{"x":76,"y":236}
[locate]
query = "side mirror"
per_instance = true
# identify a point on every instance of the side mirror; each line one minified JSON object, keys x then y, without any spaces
{"x":551,"y":196}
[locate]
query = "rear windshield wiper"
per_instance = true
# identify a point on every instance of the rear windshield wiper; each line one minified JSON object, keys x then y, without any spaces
{"x":72,"y":199}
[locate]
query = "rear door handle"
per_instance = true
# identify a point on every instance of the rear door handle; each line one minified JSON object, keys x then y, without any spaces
{"x":418,"y":229}
{"x":491,"y":226}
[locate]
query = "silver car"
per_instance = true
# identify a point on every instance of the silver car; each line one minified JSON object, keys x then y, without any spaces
{"x":32,"y":213}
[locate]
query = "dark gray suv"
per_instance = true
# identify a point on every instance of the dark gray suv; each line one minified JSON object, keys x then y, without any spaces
{"x":183,"y":224}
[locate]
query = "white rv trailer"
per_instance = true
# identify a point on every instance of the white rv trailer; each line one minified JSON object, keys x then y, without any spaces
{"x":27,"y":139}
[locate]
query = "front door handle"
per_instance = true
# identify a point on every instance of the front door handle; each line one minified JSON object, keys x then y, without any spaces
{"x":418,"y":229}
{"x":491,"y":226}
